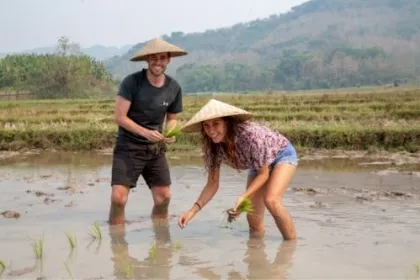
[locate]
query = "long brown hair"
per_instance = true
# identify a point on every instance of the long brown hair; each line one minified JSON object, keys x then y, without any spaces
{"x":213,"y":152}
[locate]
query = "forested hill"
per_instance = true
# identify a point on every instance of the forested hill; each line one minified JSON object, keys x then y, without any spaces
{"x":319,"y":44}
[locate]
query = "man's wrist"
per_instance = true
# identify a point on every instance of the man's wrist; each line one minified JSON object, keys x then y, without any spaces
{"x":141,"y":131}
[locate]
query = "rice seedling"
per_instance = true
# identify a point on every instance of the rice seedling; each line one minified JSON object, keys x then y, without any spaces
{"x":2,"y":267}
{"x":152,"y":250}
{"x":38,"y":247}
{"x":177,"y":246}
{"x":246,"y":206}
{"x":129,"y":271}
{"x":71,"y":240}
{"x":68,"y":270}
{"x":95,"y":231}
{"x":417,"y":272}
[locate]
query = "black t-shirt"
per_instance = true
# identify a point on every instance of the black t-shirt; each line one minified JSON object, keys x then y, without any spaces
{"x":149,"y":104}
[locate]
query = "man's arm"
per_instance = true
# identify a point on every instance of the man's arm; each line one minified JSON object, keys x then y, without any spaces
{"x":173,"y":110}
{"x":121,"y":108}
{"x":171,"y":120}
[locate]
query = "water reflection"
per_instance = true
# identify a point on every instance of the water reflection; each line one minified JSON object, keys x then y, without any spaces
{"x":258,"y":266}
{"x":158,"y":263}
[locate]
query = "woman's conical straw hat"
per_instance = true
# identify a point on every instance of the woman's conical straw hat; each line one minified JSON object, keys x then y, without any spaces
{"x":215,"y":109}
{"x":157,"y":45}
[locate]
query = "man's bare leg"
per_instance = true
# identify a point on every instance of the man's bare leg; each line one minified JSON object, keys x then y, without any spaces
{"x":161,"y":198}
{"x":119,"y":197}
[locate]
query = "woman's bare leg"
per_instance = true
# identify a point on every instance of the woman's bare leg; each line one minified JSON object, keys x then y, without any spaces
{"x":256,"y":219}
{"x":275,"y":188}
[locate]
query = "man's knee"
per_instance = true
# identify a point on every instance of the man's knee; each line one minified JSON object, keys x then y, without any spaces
{"x":119,"y":195}
{"x":161,"y":196}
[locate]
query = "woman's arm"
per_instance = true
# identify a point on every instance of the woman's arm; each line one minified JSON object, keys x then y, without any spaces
{"x":208,"y":191}
{"x":260,"y":179}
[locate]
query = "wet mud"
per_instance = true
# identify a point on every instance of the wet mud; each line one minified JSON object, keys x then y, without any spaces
{"x":356,"y":215}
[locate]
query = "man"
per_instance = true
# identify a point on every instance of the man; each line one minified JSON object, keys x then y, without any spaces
{"x":144,"y":99}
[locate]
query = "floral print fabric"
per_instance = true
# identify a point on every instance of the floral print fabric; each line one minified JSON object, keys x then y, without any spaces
{"x":255,"y":145}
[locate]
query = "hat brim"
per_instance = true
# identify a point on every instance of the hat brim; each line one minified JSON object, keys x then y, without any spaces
{"x":143,"y":57}
{"x":197,"y":125}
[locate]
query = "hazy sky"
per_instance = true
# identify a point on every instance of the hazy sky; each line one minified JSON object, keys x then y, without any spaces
{"x":26,"y":24}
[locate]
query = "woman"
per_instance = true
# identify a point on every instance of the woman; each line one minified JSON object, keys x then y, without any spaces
{"x":229,"y":137}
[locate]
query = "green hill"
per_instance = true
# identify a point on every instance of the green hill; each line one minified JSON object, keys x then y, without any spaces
{"x":319,"y":44}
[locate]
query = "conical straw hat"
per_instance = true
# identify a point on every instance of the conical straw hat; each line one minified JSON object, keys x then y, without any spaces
{"x":214,"y":109}
{"x":157,"y":45}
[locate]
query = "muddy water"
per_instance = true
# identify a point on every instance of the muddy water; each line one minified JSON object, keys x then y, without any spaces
{"x":355,"y":218}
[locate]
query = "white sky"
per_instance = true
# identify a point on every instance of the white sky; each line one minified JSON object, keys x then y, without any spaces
{"x":27,"y":24}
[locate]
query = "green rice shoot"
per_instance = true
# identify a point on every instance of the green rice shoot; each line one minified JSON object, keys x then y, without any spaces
{"x":246,"y":206}
{"x":71,"y":239}
{"x":95,"y":231}
{"x":175,"y":132}
{"x":177,"y":246}
{"x":129,"y":271}
{"x":69,"y":270}
{"x":2,"y":266}
{"x":38,"y":247}
{"x":152,"y":250}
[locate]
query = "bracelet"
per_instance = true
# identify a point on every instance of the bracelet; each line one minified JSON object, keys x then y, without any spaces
{"x":197,"y":205}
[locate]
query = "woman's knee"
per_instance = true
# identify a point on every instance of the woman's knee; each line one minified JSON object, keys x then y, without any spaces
{"x":273,"y":202}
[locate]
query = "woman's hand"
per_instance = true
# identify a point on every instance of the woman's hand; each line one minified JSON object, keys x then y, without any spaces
{"x":185,"y":218}
{"x":238,"y":202}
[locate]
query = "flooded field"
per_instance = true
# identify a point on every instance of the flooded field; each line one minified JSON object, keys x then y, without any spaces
{"x":355,"y":217}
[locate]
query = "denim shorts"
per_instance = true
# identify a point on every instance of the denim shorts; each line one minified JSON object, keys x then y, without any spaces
{"x":288,"y":155}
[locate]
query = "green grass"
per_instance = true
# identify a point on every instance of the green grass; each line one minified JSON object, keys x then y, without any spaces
{"x":387,"y":119}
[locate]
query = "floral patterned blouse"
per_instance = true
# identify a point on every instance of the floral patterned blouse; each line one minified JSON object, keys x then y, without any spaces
{"x":255,"y":145}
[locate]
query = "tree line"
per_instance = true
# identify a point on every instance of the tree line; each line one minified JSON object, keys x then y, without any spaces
{"x":66,"y":73}
{"x":297,"y":70}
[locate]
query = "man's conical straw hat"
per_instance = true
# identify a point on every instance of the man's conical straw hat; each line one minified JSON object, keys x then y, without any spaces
{"x":157,"y":45}
{"x":214,"y":109}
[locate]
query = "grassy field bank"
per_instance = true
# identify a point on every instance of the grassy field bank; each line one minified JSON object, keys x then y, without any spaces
{"x":387,"y":119}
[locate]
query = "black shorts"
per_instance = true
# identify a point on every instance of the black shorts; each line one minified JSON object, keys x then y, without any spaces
{"x":130,"y":160}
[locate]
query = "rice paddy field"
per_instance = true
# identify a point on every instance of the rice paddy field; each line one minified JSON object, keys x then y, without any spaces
{"x":384,"y":119}
{"x":354,"y":199}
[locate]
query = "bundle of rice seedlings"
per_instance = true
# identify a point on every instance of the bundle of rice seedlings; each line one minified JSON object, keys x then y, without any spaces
{"x":176,"y":131}
{"x":246,"y":206}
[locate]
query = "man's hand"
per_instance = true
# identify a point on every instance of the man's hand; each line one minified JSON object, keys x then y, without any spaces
{"x":153,"y":135}
{"x":169,"y":140}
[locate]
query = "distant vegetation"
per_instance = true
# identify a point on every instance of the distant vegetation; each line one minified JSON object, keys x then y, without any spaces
{"x":319,"y":44}
{"x":67,"y":73}
{"x":386,"y":119}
